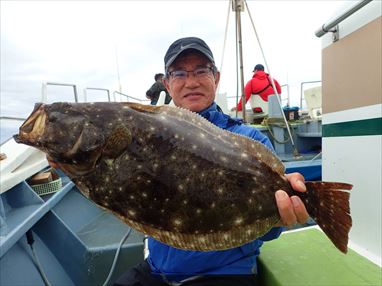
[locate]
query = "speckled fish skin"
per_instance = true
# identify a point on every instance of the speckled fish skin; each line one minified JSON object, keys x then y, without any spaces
{"x":173,"y":175}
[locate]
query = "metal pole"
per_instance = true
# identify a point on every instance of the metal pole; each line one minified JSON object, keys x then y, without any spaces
{"x":44,"y":92}
{"x":239,"y":7}
{"x":117,"y":64}
{"x":75,"y":93}
{"x":278,"y":97}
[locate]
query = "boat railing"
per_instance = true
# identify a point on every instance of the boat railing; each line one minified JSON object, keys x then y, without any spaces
{"x":115,"y":97}
{"x":331,"y":25}
{"x":128,"y":98}
{"x":96,"y":88}
{"x":45,"y":90}
{"x":12,"y":118}
{"x":287,"y":97}
{"x":302,"y":98}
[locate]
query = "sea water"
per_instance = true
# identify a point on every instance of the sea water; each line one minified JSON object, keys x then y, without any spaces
{"x":8,"y":128}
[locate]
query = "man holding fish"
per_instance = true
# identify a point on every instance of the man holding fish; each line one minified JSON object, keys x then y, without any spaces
{"x":192,"y":80}
{"x":205,"y":188}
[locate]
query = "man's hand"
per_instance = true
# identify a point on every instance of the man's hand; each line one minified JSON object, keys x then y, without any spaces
{"x":233,"y":109}
{"x":292,"y":209}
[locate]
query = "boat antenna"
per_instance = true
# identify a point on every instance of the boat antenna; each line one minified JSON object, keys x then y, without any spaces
{"x":238,"y":7}
{"x":117,"y":65}
{"x":225,"y":42}
{"x":295,"y":151}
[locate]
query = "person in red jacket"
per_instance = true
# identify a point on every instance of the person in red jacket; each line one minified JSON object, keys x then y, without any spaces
{"x":259,"y":84}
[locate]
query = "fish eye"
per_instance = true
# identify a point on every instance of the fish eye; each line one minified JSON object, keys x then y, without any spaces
{"x":53,"y":117}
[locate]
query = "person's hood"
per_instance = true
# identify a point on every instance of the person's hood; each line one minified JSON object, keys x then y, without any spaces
{"x":260,"y":75}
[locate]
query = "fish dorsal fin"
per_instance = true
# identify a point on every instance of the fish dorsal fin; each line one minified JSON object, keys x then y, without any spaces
{"x":261,"y":152}
{"x":254,"y":148}
{"x":141,"y":107}
{"x":249,"y":146}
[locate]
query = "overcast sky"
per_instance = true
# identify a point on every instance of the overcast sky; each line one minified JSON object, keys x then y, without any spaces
{"x":81,"y":42}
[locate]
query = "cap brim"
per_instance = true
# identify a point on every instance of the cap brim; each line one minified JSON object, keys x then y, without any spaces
{"x":204,"y":51}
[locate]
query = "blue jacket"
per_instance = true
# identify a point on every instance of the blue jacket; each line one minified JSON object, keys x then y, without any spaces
{"x":177,"y":264}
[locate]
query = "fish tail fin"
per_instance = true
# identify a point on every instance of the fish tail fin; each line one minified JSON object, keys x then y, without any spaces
{"x":328,"y":204}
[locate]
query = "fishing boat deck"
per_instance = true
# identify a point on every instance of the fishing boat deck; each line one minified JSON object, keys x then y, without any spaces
{"x":75,"y":240}
{"x":307,"y":257}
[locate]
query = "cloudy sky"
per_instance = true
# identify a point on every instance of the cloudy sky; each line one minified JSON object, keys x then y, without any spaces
{"x":119,"y":45}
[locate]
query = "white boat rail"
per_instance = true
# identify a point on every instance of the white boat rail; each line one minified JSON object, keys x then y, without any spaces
{"x":283,"y":98}
{"x":96,"y":88}
{"x":328,"y":27}
{"x":12,"y":118}
{"x":45,"y":90}
{"x":129,"y":98}
{"x":121,"y":97}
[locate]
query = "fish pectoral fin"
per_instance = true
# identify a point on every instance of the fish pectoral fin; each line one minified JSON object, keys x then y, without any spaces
{"x":76,"y":170}
{"x":117,"y":142}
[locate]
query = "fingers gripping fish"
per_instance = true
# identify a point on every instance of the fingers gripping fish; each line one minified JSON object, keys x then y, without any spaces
{"x":173,"y":175}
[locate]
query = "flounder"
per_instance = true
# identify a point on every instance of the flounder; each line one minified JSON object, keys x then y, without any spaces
{"x":173,"y":175}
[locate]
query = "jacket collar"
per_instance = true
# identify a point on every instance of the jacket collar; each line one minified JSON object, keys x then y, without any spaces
{"x":215,"y":115}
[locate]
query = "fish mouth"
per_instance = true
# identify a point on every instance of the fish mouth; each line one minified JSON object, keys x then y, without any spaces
{"x":33,"y":128}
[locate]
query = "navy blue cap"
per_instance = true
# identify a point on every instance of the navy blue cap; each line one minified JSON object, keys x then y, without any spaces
{"x":183,"y":44}
{"x":258,"y":67}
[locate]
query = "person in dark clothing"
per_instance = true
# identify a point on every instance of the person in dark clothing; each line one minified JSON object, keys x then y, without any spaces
{"x":155,"y":90}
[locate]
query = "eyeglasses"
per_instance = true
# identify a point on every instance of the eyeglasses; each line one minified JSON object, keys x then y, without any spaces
{"x":198,"y":73}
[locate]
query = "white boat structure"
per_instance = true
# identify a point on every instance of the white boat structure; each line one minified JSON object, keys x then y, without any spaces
{"x":61,"y":238}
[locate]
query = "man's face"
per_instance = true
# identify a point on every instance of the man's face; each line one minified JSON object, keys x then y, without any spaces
{"x":193,"y":93}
